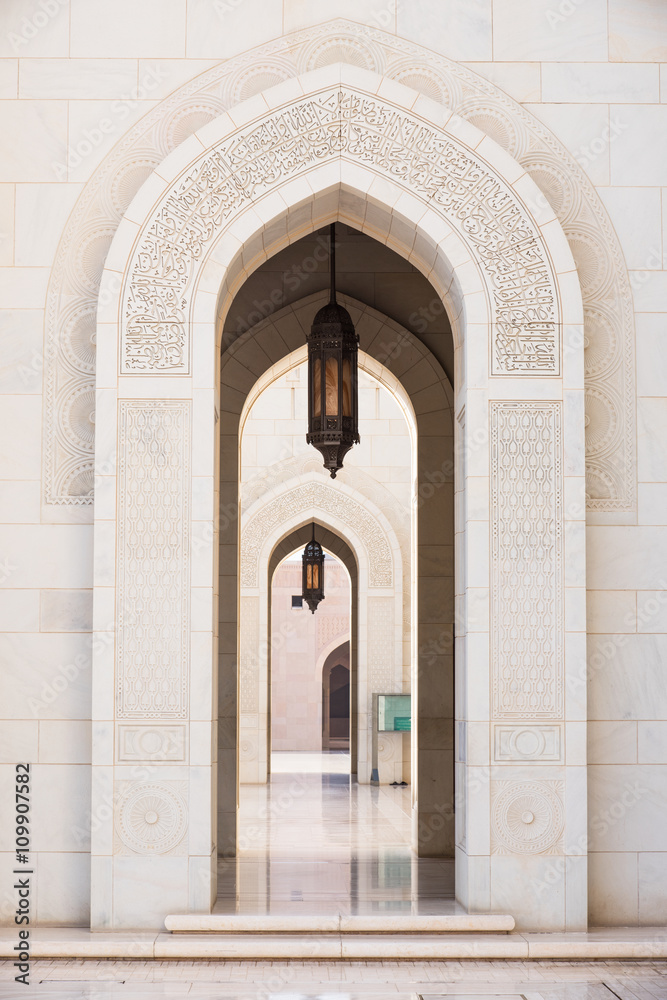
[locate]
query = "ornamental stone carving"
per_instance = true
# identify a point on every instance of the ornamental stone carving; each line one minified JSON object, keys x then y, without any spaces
{"x":380,"y":655}
{"x":517,"y":743}
{"x":151,"y":743}
{"x":248,"y":647}
{"x":527,"y":817}
{"x":303,"y":499}
{"x":151,"y":817}
{"x":526,"y":560}
{"x":330,"y":627}
{"x":457,"y":183}
{"x":153,"y":559}
{"x":73,"y":290}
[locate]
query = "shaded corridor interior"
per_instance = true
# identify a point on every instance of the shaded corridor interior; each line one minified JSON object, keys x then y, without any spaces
{"x":314,"y":841}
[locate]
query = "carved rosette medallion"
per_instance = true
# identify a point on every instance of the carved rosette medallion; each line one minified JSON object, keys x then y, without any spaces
{"x":151,"y":817}
{"x":527,"y":817}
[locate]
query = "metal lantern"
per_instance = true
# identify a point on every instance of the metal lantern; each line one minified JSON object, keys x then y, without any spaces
{"x":312,"y":584}
{"x":332,"y":378}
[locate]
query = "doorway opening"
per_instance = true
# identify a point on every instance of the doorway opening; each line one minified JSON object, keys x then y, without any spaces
{"x":336,"y":700}
{"x":310,"y":686}
{"x":313,"y":733}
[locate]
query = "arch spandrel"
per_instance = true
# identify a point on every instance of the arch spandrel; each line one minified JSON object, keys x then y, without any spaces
{"x":75,"y":280}
{"x":435,"y":170}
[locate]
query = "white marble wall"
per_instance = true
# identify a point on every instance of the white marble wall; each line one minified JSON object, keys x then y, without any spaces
{"x":74,"y":77}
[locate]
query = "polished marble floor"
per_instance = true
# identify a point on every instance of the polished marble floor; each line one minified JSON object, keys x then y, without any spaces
{"x":314,"y":841}
{"x":468,"y":980}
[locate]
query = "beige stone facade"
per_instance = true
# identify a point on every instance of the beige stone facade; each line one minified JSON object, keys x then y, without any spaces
{"x":497,"y":171}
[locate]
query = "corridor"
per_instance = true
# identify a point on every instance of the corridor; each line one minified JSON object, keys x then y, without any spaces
{"x":314,"y":841}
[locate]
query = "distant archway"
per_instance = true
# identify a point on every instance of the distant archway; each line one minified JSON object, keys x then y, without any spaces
{"x":336,"y":699}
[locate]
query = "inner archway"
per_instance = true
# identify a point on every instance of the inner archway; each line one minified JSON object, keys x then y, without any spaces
{"x":299,"y":714}
{"x":425,"y":576}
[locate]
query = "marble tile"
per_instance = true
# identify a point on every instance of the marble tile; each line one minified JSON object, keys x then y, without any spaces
{"x":18,"y":741}
{"x":43,"y":128}
{"x":50,"y":555}
{"x":45,"y":677}
{"x":89,"y":79}
{"x":532,"y":886}
{"x":461,"y":32}
{"x":652,"y":439}
{"x":376,"y":13}
{"x":64,"y":742}
{"x":20,"y":502}
{"x":649,"y":287}
{"x":652,"y":611}
{"x":652,"y":742}
{"x":218,"y":32}
{"x":651,"y":355}
{"x":169,"y":74}
{"x":35,"y":31}
{"x":521,"y":80}
{"x":652,"y":875}
{"x":625,"y":806}
{"x":162,"y":883}
{"x":94,"y":128}
{"x":635,"y":213}
{"x":586,"y":131}
{"x":651,"y":503}
{"x":63,"y":889}
{"x":154,"y":28}
{"x":638,"y":121}
{"x":23,"y":287}
{"x":41,"y":213}
{"x":612,"y":742}
{"x":613,"y":888}
{"x":66,"y":611}
{"x":539,"y":29}
{"x":609,"y":611}
{"x":21,"y":346}
{"x":56,"y":828}
{"x":19,"y":611}
{"x":611,"y":554}
{"x":637,"y":31}
{"x":590,"y":83}
{"x":6,"y":225}
{"x":9,"y":79}
{"x":19,"y":452}
{"x":626,"y":679}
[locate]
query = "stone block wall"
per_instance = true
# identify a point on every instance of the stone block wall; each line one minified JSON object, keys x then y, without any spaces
{"x":75,"y":78}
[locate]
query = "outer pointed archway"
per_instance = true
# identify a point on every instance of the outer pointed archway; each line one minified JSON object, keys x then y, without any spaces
{"x":349,"y":146}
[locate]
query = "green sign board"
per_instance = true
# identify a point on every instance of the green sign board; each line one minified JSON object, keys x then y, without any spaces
{"x":394,"y":713}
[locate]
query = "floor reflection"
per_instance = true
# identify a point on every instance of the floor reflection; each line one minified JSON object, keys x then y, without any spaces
{"x":313,"y":841}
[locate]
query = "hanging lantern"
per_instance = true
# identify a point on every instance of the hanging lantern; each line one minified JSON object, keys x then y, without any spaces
{"x":312,"y":584}
{"x":332,"y":378}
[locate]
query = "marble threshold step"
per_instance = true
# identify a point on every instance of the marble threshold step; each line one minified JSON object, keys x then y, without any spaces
{"x":337,"y":923}
{"x":628,"y":943}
